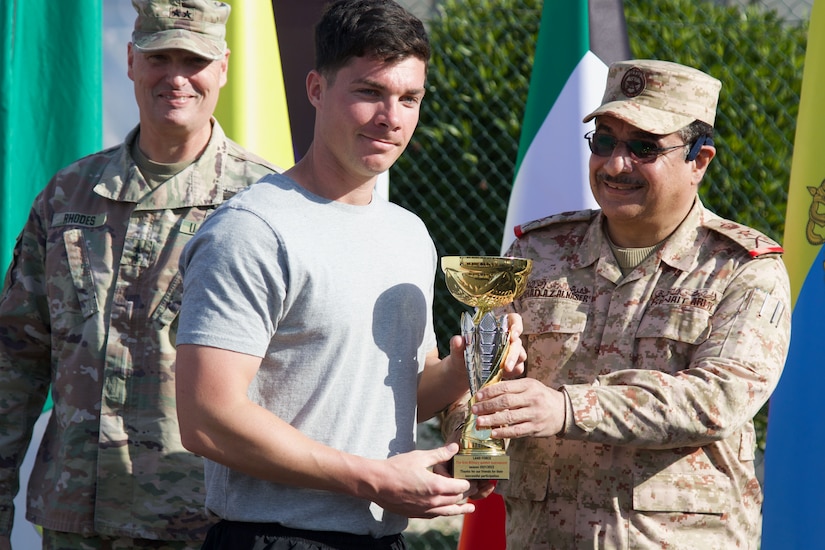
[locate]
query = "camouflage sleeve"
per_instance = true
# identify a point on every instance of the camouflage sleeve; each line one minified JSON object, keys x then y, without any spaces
{"x":24,"y":357}
{"x":730,"y":374}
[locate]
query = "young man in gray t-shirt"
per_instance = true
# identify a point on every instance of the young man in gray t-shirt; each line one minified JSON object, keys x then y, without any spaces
{"x":306,"y":350}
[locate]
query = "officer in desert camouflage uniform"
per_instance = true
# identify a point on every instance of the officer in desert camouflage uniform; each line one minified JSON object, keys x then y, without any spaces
{"x":92,"y":294}
{"x":655,"y":331}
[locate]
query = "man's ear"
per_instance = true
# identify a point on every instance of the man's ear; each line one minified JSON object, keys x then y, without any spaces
{"x":697,"y":146}
{"x":130,"y":59}
{"x":315,"y":85}
{"x":699,"y":165}
{"x":225,"y":67}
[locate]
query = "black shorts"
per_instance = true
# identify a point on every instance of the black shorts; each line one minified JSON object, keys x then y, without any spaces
{"x":239,"y":535}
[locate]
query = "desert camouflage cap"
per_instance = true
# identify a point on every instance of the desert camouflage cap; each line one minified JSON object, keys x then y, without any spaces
{"x":198,"y":26}
{"x":659,"y":97}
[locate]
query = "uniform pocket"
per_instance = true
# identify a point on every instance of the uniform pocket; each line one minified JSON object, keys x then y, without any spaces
{"x":169,"y":306}
{"x":682,"y":511}
{"x":670,"y":333}
{"x":553,"y":330}
{"x":683,"y":493}
{"x":553,"y":315}
{"x":78,"y":302}
{"x":680,"y":323}
{"x":528,"y":481}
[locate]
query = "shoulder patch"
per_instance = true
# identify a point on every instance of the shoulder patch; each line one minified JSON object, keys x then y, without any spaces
{"x":564,"y":217}
{"x":756,"y":243}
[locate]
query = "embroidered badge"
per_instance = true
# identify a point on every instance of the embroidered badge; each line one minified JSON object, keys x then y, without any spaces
{"x":61,"y":219}
{"x":188,"y":228}
{"x":633,"y":82}
{"x":815,"y":230}
{"x":179,"y":12}
{"x":544,"y":288}
{"x":696,"y":297}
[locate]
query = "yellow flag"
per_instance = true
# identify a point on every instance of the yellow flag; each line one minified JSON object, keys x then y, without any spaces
{"x":252,"y":108}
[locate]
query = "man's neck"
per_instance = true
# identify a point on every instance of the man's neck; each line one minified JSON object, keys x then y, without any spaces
{"x":332,"y":182}
{"x":173,"y":148}
{"x":639,"y":234}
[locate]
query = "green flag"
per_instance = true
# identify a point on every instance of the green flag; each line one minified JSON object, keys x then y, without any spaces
{"x":51,"y":99}
{"x":577,"y":41}
{"x":51,"y":105}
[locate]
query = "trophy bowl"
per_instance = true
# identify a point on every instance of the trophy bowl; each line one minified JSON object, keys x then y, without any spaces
{"x":484,"y":283}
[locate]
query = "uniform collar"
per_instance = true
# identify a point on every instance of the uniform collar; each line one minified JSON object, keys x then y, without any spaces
{"x":682,"y":247}
{"x":678,"y":251}
{"x":199,"y":184}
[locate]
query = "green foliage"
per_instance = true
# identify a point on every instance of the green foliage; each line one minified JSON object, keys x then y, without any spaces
{"x":458,"y":170}
{"x":759,"y":60}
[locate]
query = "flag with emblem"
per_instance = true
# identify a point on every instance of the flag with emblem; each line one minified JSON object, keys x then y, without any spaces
{"x":577,"y":41}
{"x":252,"y":107}
{"x":794,"y":476}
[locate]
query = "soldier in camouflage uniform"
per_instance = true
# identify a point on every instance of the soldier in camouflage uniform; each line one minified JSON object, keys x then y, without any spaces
{"x":655,"y":331}
{"x":90,"y":301}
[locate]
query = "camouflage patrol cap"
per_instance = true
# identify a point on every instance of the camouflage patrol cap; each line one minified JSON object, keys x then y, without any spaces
{"x":659,"y":97}
{"x":197,"y":26}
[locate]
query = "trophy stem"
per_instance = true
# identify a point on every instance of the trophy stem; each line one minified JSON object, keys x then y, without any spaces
{"x":479,"y":315}
{"x":478,"y":442}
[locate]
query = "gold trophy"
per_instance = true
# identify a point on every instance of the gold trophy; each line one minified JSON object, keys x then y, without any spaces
{"x":485,"y":283}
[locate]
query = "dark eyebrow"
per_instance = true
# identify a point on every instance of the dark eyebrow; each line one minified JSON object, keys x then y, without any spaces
{"x":373,"y":84}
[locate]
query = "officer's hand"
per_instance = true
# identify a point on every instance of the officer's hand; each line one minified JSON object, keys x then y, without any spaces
{"x":520,"y":408}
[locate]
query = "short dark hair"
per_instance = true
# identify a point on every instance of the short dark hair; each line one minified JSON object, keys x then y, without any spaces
{"x":694,"y":131}
{"x":374,"y":28}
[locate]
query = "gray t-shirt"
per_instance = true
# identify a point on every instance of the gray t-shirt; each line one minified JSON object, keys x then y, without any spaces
{"x":337,"y":300}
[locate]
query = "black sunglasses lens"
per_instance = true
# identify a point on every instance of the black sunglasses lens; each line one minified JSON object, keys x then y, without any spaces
{"x":603,"y":145}
{"x":642,"y":149}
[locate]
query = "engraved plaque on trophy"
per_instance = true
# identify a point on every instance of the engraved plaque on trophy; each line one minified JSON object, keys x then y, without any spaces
{"x":484,"y":283}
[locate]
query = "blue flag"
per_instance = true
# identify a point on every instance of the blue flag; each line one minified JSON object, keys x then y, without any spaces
{"x":795,"y":455}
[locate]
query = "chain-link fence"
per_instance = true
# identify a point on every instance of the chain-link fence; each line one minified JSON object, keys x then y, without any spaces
{"x":459,"y":167}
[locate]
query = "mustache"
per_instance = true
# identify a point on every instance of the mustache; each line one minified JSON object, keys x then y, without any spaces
{"x":621,"y":179}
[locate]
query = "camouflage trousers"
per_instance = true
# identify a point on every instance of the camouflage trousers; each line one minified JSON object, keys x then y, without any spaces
{"x":57,"y":540}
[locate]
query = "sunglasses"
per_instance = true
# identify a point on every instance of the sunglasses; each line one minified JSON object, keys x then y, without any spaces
{"x":603,"y":145}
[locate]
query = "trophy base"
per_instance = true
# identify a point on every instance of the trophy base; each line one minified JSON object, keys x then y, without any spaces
{"x":481,"y":466}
